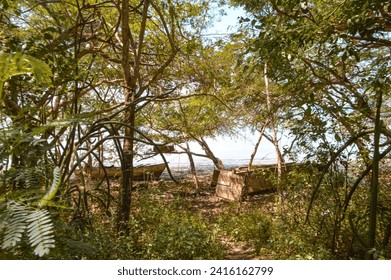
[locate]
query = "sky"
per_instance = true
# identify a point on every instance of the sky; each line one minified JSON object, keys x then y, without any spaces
{"x":227,"y":148}
{"x":227,"y":22}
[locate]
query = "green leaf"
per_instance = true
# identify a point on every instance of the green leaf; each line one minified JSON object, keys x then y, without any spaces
{"x":40,"y":231}
{"x":40,"y":70}
{"x":20,"y":64}
{"x":19,"y":218}
{"x":14,"y":224}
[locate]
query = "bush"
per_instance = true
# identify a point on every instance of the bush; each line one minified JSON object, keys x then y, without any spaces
{"x":253,"y":227}
{"x":167,"y":231}
{"x":291,"y":240}
{"x":183,"y":238}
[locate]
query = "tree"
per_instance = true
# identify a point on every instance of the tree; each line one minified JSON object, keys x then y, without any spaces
{"x":202,"y":106}
{"x":333,"y":60}
{"x":111,"y":52}
{"x":148,"y":52}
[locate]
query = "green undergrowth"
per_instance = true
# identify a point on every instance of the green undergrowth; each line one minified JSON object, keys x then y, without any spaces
{"x":168,"y":230}
{"x":175,"y":223}
{"x":159,"y":229}
{"x":251,"y":226}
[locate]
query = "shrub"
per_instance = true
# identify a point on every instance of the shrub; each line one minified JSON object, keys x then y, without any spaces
{"x":168,"y":231}
{"x":183,"y":238}
{"x":253,"y":227}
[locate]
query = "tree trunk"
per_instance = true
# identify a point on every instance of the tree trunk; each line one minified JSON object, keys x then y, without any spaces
{"x":123,"y":210}
{"x":216,"y":161}
{"x":280,"y":159}
{"x":374,"y":190}
{"x":192,"y":166}
{"x":257,"y":145}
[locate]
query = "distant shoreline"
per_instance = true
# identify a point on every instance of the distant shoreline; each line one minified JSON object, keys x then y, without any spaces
{"x":206,"y":167}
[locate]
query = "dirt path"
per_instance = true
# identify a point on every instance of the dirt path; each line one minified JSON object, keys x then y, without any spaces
{"x":239,"y":250}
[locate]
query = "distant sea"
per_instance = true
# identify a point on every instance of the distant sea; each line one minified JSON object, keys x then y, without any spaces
{"x":233,"y":152}
{"x":180,"y":165}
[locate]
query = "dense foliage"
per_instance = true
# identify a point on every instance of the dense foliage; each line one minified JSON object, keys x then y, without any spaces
{"x":88,"y":83}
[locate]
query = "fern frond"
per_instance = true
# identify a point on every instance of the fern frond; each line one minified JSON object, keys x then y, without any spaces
{"x":40,"y":231}
{"x":53,"y":188}
{"x":3,"y":217}
{"x":30,"y":176}
{"x":15,"y":223}
{"x":19,"y":218}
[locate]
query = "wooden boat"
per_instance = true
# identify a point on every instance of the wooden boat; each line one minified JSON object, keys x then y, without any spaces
{"x":234,"y":184}
{"x":148,"y":172}
{"x":140,"y":173}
